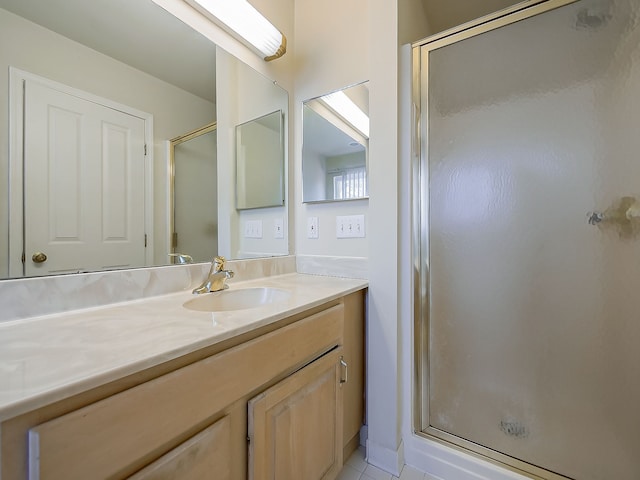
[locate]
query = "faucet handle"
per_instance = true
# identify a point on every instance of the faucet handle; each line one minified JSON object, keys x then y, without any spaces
{"x":218,"y":264}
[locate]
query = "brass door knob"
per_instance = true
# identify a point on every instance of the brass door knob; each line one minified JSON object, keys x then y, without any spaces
{"x":39,"y":257}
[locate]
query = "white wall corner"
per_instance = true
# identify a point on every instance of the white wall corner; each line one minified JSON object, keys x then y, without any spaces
{"x":382,"y":457}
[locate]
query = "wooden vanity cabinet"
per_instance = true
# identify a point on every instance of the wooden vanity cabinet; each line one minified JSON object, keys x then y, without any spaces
{"x":192,"y":423}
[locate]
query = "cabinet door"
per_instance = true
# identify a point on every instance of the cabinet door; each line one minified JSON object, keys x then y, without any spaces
{"x":295,"y":427}
{"x":205,"y":455}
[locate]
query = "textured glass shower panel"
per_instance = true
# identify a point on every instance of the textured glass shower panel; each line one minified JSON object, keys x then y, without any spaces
{"x":534,"y":324}
{"x":196,"y":196}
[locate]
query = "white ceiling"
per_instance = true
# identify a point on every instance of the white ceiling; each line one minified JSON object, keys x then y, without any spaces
{"x":136,"y":32}
{"x":323,"y":138}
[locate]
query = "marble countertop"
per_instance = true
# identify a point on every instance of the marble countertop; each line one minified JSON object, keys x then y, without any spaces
{"x":48,"y":358}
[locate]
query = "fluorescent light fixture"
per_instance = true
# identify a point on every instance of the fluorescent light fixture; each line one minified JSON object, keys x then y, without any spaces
{"x":344,"y":106}
{"x":239,"y":17}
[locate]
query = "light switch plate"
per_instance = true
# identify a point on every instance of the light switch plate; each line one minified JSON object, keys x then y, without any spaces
{"x":350,"y":226}
{"x":312,"y":227}
{"x":278,"y":228}
{"x":253,"y":229}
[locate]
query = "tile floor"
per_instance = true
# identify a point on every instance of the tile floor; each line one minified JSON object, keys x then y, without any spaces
{"x":356,"y":468}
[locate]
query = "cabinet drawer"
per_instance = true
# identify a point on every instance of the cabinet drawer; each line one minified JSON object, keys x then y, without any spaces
{"x":119,"y":435}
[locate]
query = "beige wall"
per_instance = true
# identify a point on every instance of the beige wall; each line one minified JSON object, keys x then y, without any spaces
{"x":413,"y":21}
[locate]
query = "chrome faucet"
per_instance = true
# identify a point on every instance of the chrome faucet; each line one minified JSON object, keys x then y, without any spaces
{"x":216,"y":277}
{"x":181,"y":258}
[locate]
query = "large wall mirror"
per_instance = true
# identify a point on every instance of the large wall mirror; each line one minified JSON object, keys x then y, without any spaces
{"x":95,"y":93}
{"x":335,"y":145}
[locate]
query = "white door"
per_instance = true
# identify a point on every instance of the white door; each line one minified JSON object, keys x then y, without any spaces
{"x":83,"y":184}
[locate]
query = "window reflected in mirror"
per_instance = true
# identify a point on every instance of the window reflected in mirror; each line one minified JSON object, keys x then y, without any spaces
{"x":335,"y":145}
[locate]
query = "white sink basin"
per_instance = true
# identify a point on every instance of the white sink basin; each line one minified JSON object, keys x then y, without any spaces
{"x":229,"y":300}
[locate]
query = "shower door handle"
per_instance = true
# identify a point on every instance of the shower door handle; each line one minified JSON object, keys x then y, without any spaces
{"x":622,"y":212}
{"x":595,"y":217}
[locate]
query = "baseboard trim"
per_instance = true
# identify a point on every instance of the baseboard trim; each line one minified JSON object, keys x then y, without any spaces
{"x":441,"y":462}
{"x":364,"y":435}
{"x":349,"y":267}
{"x":388,"y":460}
{"x":350,"y":447}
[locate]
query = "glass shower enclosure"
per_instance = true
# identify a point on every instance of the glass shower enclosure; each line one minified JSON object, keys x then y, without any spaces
{"x":527,"y":238}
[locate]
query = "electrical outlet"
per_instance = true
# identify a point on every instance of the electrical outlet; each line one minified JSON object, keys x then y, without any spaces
{"x":350,"y":226}
{"x":278,"y":228}
{"x":312,"y":227}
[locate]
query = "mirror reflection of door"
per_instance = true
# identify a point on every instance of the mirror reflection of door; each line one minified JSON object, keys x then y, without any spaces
{"x":195,"y":194}
{"x":73,"y":148}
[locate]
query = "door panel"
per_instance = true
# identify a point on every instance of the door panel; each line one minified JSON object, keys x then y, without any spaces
{"x":533,"y":304}
{"x":73,"y":149}
{"x":115,"y":204}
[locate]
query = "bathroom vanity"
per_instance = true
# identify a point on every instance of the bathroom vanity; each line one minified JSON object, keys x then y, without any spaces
{"x":272,"y":392}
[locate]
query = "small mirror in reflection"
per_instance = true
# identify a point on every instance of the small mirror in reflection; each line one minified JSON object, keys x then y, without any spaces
{"x":260,"y":162}
{"x":335,"y":145}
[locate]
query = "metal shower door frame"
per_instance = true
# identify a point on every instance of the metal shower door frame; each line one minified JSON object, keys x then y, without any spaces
{"x":420,"y":227}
